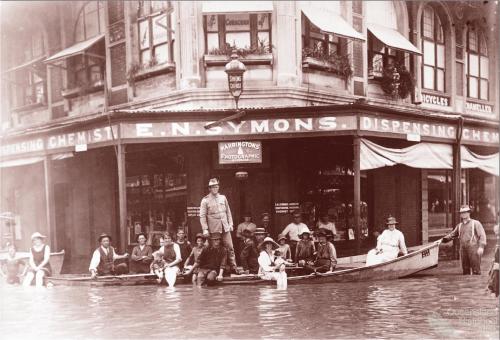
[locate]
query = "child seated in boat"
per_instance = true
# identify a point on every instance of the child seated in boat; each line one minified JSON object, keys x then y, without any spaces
{"x":158,"y":265}
{"x":326,"y":256}
{"x":13,"y":269}
{"x":305,"y":248}
{"x":389,"y":244}
{"x":193,"y":257}
{"x":279,"y":259}
{"x":284,"y":248}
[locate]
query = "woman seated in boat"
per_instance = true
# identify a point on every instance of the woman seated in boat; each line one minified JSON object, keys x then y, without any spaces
{"x":326,"y":255}
{"x":389,"y":244}
{"x":172,"y":256}
{"x":38,"y":263}
{"x":13,"y":269}
{"x":305,"y":248}
{"x":142,"y":255}
{"x":268,"y":270}
{"x":104,"y":257}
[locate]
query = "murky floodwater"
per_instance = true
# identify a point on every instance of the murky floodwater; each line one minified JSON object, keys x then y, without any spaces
{"x":428,"y":306}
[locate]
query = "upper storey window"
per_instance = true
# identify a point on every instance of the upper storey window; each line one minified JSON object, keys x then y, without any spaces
{"x":91,"y":21}
{"x":241,"y":25}
{"x":433,"y":46}
{"x":477,"y":65}
{"x":156,"y":32}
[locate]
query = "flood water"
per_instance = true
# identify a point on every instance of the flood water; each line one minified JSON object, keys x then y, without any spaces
{"x":434,"y":305}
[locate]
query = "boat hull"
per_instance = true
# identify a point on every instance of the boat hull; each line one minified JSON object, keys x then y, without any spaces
{"x":56,"y":260}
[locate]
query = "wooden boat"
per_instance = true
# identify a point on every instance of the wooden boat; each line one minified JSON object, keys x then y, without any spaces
{"x":422,"y":258}
{"x":56,"y":259}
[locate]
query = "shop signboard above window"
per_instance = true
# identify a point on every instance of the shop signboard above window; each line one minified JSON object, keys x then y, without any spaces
{"x":240,"y":152}
{"x":435,"y":99}
{"x":479,"y":107}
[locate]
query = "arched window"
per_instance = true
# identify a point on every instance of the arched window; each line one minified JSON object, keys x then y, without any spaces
{"x":90,"y":21}
{"x":477,"y":65}
{"x":433,"y":68}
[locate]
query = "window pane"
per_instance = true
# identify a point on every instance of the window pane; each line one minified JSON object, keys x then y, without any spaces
{"x":160,"y":29}
{"x":429,"y":55}
{"x":161,"y":53}
{"x":483,"y":47}
{"x":237,"y":22}
{"x":91,"y":25}
{"x":95,"y":73}
{"x":440,"y":80}
{"x":212,"y":41}
{"x":240,"y":40}
{"x":473,"y":65}
{"x":472,"y":40}
{"x":79,"y":33}
{"x":90,"y":7}
{"x":428,"y":23}
{"x":144,"y":34}
{"x":429,"y":77}
{"x":145,"y":57}
{"x":377,"y":65}
{"x":157,"y":6}
{"x":212,"y":23}
{"x":484,"y":68}
{"x":440,"y":56}
{"x":263,"y":21}
{"x":37,"y":44}
{"x":473,"y":87}
{"x":484,"y":89}
{"x":39,"y":93}
{"x":264,"y":39}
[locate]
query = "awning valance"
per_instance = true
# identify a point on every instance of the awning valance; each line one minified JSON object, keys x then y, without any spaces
{"x":392,"y":38}
{"x":487,"y":163}
{"x":331,"y":23}
{"x":76,"y":49}
{"x":222,"y":7}
{"x":21,"y":161}
{"x":422,"y":156}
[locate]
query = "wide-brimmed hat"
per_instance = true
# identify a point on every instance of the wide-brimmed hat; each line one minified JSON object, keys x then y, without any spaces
{"x":305,"y":231}
{"x":391,"y":220}
{"x":260,"y":231}
{"x":247,"y":233}
{"x":37,"y":235}
{"x":213,"y":181}
{"x":321,"y":233}
{"x":200,"y":235}
{"x":269,"y":240}
{"x":280,"y":237}
{"x":465,"y":208}
{"x":103,"y":235}
{"x":215,"y":236}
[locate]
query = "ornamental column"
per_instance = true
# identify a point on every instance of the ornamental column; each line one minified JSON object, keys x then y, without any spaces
{"x":285,"y":43}
{"x":188,"y":42}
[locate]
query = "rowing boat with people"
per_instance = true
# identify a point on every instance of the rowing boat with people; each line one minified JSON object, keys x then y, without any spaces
{"x":56,"y":259}
{"x":420,"y":259}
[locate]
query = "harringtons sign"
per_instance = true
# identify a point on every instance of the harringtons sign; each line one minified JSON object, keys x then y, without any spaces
{"x":240,"y":152}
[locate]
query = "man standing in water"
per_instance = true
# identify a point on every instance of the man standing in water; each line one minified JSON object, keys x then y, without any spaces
{"x":215,"y":217}
{"x":472,"y":238}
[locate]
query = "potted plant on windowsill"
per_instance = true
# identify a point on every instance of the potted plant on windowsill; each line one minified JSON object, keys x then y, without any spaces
{"x":82,"y":89}
{"x":258,"y":55}
{"x":397,"y":81}
{"x":333,"y":62}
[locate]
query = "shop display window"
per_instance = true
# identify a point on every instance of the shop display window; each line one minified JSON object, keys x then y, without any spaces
{"x":439,"y":202}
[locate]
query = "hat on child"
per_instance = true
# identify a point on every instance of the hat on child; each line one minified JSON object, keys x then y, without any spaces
{"x":212,"y":182}
{"x":465,"y":208}
{"x":37,"y":235}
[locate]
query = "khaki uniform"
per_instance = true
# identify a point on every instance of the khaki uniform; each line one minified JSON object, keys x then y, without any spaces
{"x":215,"y":216}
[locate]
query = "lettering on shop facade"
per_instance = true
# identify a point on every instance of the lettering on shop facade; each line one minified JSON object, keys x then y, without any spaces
{"x":435,"y":100}
{"x":240,"y":152}
{"x":285,"y":207}
{"x":479,"y":107}
{"x":193,"y":211}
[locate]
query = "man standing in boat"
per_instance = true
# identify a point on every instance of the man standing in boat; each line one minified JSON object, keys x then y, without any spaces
{"x":215,"y":217}
{"x":104,"y":257}
{"x":472,"y":238}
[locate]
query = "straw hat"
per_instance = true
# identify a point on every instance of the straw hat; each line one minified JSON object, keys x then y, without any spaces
{"x":465,"y":208}
{"x":103,"y":235}
{"x":391,"y":220}
{"x":212,"y":182}
{"x":269,"y":240}
{"x":37,"y":235}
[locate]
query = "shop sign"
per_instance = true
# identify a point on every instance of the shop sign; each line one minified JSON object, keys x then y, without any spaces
{"x":427,"y":129}
{"x":478,"y":107}
{"x":285,"y":207}
{"x":245,"y":127}
{"x":435,"y":100}
{"x":240,"y":152}
{"x":32,"y":145}
{"x":193,"y":211}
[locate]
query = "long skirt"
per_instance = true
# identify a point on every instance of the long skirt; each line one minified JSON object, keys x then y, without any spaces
{"x":280,"y":278}
{"x":387,"y":254}
{"x":171,"y":275}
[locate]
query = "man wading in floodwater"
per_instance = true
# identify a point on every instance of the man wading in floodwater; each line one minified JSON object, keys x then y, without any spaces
{"x":472,"y":238}
{"x":215,"y":217}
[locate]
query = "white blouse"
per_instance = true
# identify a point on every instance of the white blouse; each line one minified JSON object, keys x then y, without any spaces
{"x":392,"y":238}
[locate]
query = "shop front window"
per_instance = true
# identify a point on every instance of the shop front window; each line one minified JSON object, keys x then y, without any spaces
{"x":483,"y":196}
{"x":156,"y":193}
{"x":439,"y":202}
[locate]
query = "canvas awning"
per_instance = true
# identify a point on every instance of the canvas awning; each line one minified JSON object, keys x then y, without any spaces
{"x":222,"y":7}
{"x":487,"y":163}
{"x":331,"y":22}
{"x":27,"y":64}
{"x":422,"y":156}
{"x":20,"y":161}
{"x":392,"y":38}
{"x":76,"y":49}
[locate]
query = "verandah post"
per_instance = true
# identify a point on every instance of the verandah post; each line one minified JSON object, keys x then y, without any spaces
{"x":49,"y":202}
{"x":122,"y":196}
{"x":357,"y":192}
{"x":457,"y":181}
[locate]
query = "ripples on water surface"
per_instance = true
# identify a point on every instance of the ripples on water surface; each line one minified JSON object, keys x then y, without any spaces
{"x":445,"y":306}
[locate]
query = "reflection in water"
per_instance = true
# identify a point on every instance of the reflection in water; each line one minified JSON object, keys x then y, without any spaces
{"x":424,"y":307}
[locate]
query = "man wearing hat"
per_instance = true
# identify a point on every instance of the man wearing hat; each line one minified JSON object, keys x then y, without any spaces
{"x":211,"y":262}
{"x":215,"y":217}
{"x":293,"y":231}
{"x":326,"y":256}
{"x":259,"y":235}
{"x":249,"y":253}
{"x":389,"y":244}
{"x":472,"y":238}
{"x":104,"y":257}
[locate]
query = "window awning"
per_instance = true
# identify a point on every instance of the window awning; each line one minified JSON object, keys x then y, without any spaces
{"x":221,"y":7}
{"x":331,"y":22}
{"x":27,"y":64}
{"x":487,"y":163}
{"x":392,"y":38}
{"x":21,"y":161}
{"x":76,"y":49}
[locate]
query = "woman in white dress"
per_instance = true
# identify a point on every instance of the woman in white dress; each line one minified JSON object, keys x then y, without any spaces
{"x":269,"y":269}
{"x":389,"y":244}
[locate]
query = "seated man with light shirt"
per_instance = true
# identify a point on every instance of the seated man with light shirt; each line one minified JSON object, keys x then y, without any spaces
{"x":293,"y":230}
{"x":104,"y":257}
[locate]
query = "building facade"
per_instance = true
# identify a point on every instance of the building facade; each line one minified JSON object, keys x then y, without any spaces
{"x":355,"y":110}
